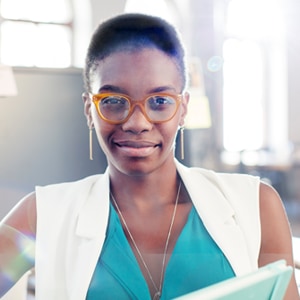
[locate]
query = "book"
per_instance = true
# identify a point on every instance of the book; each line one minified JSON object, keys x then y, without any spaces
{"x":266,"y":283}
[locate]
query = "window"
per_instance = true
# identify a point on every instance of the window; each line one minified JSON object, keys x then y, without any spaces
{"x":37,"y":33}
{"x":154,"y":7}
{"x":243,"y":95}
{"x":255,"y":92}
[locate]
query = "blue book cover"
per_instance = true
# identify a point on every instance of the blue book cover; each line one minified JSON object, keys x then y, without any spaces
{"x":266,"y":283}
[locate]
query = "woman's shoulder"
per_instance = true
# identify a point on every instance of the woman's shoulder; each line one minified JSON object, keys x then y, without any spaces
{"x":65,"y":194}
{"x":22,"y":218}
{"x":85,"y":181}
{"x":221,"y":179}
{"x":66,"y":189}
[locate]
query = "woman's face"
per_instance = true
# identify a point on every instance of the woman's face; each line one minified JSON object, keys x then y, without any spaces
{"x":137,"y":146}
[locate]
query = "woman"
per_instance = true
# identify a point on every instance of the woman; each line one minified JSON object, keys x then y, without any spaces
{"x":149,"y":228}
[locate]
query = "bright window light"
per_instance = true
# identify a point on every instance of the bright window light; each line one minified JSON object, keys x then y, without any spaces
{"x":243,"y":111}
{"x":17,"y":51}
{"x":255,"y":18}
{"x":37,"y":34}
{"x":41,"y":45}
{"x":57,"y":11}
{"x":254,"y":91}
{"x":54,"y":48}
{"x":154,"y":7}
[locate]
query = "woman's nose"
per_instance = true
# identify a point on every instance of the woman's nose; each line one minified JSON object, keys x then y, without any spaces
{"x":137,"y":122}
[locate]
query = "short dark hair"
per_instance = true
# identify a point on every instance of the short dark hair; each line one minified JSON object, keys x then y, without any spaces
{"x":133,"y":32}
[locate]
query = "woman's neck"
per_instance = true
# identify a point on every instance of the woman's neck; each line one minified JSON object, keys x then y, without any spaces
{"x":148,"y":191}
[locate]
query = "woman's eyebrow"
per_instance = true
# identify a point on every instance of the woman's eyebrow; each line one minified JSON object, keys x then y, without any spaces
{"x":160,"y":89}
{"x":112,"y":88}
{"x":116,"y":89}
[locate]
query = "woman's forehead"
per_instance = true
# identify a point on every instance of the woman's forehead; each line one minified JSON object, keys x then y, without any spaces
{"x":147,"y":67}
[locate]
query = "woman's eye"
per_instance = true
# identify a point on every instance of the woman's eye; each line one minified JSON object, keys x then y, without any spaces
{"x":113,"y":101}
{"x":160,"y":102}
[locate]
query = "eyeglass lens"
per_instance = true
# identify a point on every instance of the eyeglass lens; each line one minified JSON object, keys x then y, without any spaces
{"x":156,"y":107}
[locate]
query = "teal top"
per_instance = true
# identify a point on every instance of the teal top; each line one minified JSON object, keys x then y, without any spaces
{"x":196,"y":262}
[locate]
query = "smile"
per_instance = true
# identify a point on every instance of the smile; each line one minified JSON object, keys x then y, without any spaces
{"x":136,"y":148}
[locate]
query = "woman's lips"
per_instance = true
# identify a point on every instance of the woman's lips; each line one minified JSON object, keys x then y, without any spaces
{"x":136,"y":148}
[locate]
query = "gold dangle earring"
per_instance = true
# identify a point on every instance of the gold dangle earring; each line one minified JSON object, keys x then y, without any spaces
{"x":181,"y":143}
{"x":91,"y":142}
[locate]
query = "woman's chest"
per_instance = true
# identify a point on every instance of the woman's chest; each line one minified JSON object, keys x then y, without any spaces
{"x":195,"y":262}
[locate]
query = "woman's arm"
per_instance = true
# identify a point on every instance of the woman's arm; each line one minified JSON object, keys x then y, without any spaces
{"x":276,"y":241}
{"x":17,"y":242}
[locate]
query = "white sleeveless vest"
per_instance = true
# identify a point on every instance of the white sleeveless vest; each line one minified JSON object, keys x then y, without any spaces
{"x":72,"y":219}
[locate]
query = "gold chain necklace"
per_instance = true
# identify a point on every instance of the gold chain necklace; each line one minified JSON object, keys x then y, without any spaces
{"x":158,"y":289}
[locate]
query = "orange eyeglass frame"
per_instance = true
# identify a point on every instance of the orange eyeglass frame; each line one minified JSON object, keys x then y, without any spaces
{"x":96,"y":98}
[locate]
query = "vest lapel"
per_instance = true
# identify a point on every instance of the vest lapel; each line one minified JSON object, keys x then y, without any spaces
{"x":89,"y":238}
{"x":218,"y":217}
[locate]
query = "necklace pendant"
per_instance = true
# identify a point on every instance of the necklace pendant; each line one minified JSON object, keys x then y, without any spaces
{"x":156,"y":296}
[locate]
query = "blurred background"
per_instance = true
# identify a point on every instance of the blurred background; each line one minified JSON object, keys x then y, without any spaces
{"x":244,"y":83}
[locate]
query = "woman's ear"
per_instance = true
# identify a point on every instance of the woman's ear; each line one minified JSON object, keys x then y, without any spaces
{"x":87,"y":108}
{"x":184,"y":107}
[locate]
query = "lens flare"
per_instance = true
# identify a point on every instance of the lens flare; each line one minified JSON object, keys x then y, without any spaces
{"x":18,"y":257}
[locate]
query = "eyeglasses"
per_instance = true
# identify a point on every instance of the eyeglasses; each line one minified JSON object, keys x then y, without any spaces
{"x":117,"y":108}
